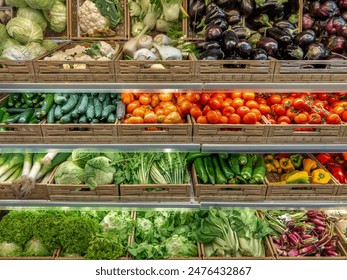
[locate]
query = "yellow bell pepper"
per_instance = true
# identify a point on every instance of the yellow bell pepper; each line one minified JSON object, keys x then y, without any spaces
{"x":276,"y":163}
{"x":309,"y":165}
{"x":300,"y":177}
{"x":269,"y":159}
{"x":286,"y":164}
{"x":320,"y":176}
{"x":270,"y":167}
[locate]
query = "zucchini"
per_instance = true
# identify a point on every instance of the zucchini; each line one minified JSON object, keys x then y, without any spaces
{"x":60,"y":98}
{"x":15,"y":110}
{"x":4,"y":118}
{"x":51,"y":114}
{"x":4,"y":104}
{"x":66,"y":119}
{"x":90,"y":110}
{"x":12,"y":119}
{"x":102,"y":97}
{"x":83,"y":119}
{"x":57,"y":112}
{"x":27,"y":100}
{"x":26,"y":116}
{"x":97,"y":108}
{"x":11,"y":100}
{"x":82,"y":108}
{"x":70,"y":104}
{"x":74,"y":112}
{"x":18,"y":105}
{"x":47,"y":104}
{"x":16,"y":97}
{"x":2,"y":113}
{"x":33,"y":120}
{"x":120,"y":110}
{"x":111,"y":118}
{"x":107,"y":111}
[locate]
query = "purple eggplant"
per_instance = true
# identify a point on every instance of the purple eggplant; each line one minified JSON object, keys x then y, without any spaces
{"x":258,"y":22}
{"x":243,"y":48}
{"x":226,"y":3}
{"x":229,"y":41}
{"x":273,"y":8}
{"x":313,"y":8}
{"x":196,"y":11}
{"x":213,"y":12}
{"x":242,"y":32}
{"x":307,"y":22}
{"x":334,"y":25}
{"x":342,"y":4}
{"x":269,"y":45}
{"x":327,"y":9}
{"x":282,"y":37}
{"x":232,"y":16}
{"x":259,"y":54}
{"x":284,"y":24}
{"x":304,"y":38}
{"x":316,"y":52}
{"x":221,"y":22}
{"x":213,"y":33}
{"x":292,"y":52}
{"x":207,"y":45}
{"x":213,"y":54}
{"x":246,"y":7}
{"x":343,"y":32}
{"x":335,"y":44}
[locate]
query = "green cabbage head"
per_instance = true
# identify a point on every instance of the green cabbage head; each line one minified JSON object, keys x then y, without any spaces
{"x":3,"y":33}
{"x":16,"y":3}
{"x":40,"y":4}
{"x":24,"y":30}
{"x":56,"y":17}
{"x":33,"y":15}
{"x":179,"y":246}
{"x":35,"y":248}
{"x":69,"y":173}
{"x":10,"y":250}
{"x":99,"y":171}
{"x":8,"y":43}
{"x":49,"y":45}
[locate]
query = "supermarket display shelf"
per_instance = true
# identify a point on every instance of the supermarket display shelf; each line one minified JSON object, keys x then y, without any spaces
{"x":119,"y":87}
{"x":183,"y":147}
{"x":192,"y":204}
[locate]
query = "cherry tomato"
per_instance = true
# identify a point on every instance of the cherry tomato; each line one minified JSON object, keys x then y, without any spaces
{"x":214,"y":103}
{"x":234,"y":119}
{"x":213,"y":117}
{"x":291,"y":113}
{"x":243,"y":110}
{"x":202,"y":119}
{"x":250,"y":118}
{"x":228,"y":111}
{"x":287,"y":102}
{"x":248,"y":95}
{"x":323,"y":96}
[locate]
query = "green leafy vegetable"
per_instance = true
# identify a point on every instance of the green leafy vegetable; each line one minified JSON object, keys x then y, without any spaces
{"x":112,"y":10}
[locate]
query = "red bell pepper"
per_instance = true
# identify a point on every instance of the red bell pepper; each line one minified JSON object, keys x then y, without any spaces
{"x":331,"y":164}
{"x":339,"y":175}
{"x":344,"y":155}
{"x":324,"y":158}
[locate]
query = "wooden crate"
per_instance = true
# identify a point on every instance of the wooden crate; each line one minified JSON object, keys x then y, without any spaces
{"x":76,"y":33}
{"x":139,"y":71}
{"x":256,"y":71}
{"x":300,"y":191}
{"x":341,"y":236}
{"x":269,"y":255}
{"x":32,"y":258}
{"x":292,"y":134}
{"x":17,"y":71}
{"x":38,"y":193}
{"x":79,"y":133}
{"x":71,"y":192}
{"x":155,"y":133}
{"x":298,"y":71}
{"x":48,"y":71}
{"x":226,"y":191}
{"x":199,"y":257}
{"x":230,"y":133}
{"x":343,"y":134}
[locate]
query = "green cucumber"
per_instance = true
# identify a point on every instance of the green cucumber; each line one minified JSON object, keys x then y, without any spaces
{"x":74,"y":112}
{"x":83,"y":119}
{"x":57,"y":112}
{"x":97,"y":108}
{"x":90,"y":110}
{"x":102,"y":97}
{"x":11,"y":101}
{"x":51,"y":114}
{"x":107,"y":111}
{"x":47,"y":105}
{"x":15,"y":111}
{"x":60,"y":98}
{"x":82,"y":108}
{"x":111,"y":118}
{"x":13,"y":119}
{"x":70,"y":104}
{"x":66,"y":119}
{"x":26,"y":116}
{"x":95,"y":121}
{"x":107,"y":101}
{"x":4,"y":104}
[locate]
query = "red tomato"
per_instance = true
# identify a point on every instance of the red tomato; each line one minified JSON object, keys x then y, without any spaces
{"x":252,"y":104}
{"x":145,"y":99}
{"x":214,"y":103}
{"x":257,"y":112}
{"x":225,"y":104}
{"x":201,"y":119}
{"x":228,"y":111}
{"x":333,"y":119}
{"x":192,"y":96}
{"x":275,"y":99}
{"x":323,"y":96}
{"x":243,"y":110}
{"x":206,"y":109}
{"x":248,"y":95}
{"x":287,"y":102}
{"x":204,"y":98}
{"x":213,"y":117}
{"x":338,"y":110}
{"x":291,"y":113}
{"x":285,"y":119}
{"x":132,"y":106}
{"x":186,"y":106}
{"x":298,"y":103}
{"x":195,"y":112}
{"x":235,"y":95}
{"x":264,"y":109}
{"x":150,"y":118}
{"x":220,"y":96}
{"x":250,"y":118}
{"x":234,"y":119}
{"x":180,"y":100}
{"x":223,"y":120}
{"x":165,"y":96}
{"x":127,"y":97}
{"x":237,"y":102}
{"x":344,"y":116}
{"x":300,"y":118}
{"x":315,"y":119}
{"x":279,"y":110}
{"x":261,"y":101}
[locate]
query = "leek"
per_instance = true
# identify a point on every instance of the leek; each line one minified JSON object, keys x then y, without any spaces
{"x":11,"y":161}
{"x":48,"y":158}
{"x":58,"y":159}
{"x":14,"y":176}
{"x":9,"y":173}
{"x":3,"y":158}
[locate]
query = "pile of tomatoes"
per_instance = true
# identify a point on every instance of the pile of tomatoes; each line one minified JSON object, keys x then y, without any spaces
{"x":224,"y":107}
{"x":305,"y":108}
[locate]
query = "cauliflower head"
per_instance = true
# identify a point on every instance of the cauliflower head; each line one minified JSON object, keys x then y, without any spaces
{"x":91,"y":21}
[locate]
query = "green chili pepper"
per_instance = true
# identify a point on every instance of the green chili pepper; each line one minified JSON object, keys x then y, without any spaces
{"x":226,"y":169}
{"x":200,"y":170}
{"x":208,"y":163}
{"x":234,"y":164}
{"x":243,"y":159}
{"x":247,"y":170}
{"x":220,"y":178}
{"x":259,"y":170}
